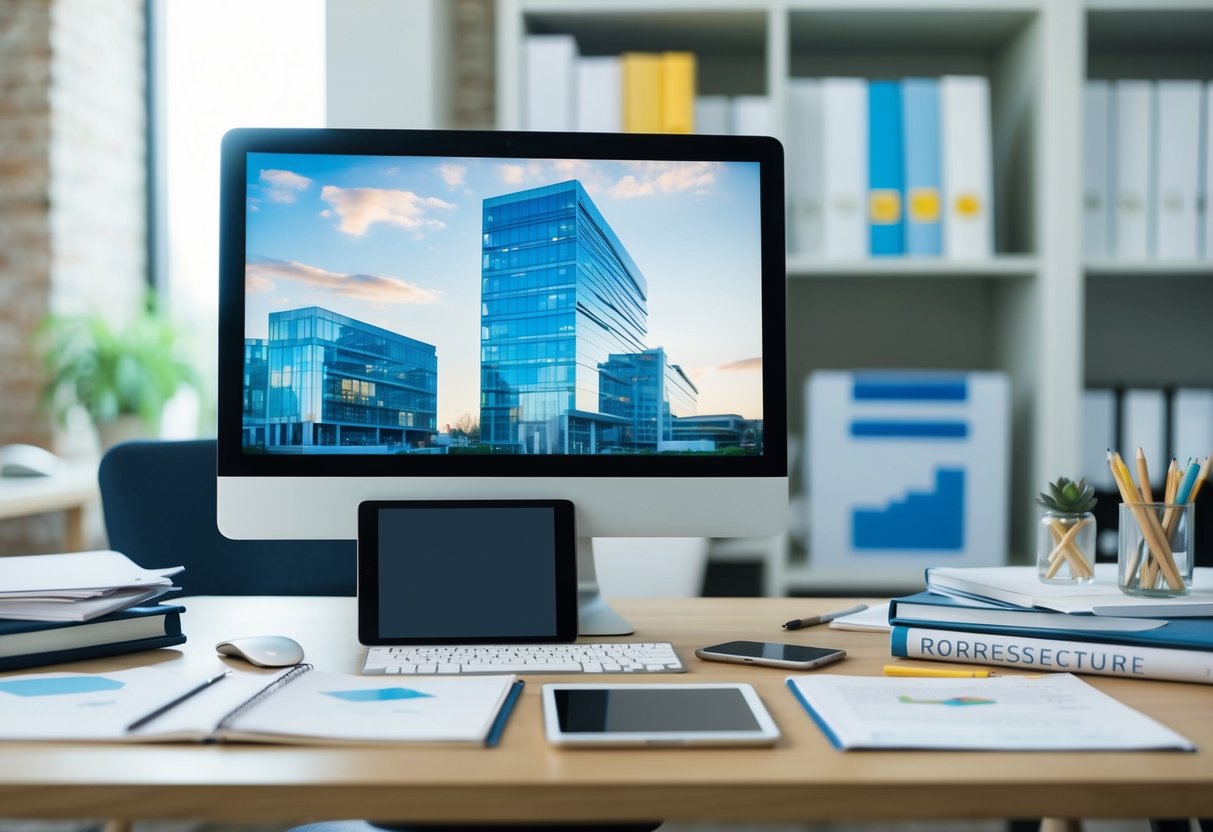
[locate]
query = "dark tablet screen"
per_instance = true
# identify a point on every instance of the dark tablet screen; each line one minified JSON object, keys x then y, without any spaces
{"x":466,"y":571}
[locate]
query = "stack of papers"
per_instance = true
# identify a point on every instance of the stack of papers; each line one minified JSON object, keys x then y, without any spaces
{"x":77,"y":587}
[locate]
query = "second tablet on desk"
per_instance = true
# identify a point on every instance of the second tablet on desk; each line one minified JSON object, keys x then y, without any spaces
{"x":596,"y":715}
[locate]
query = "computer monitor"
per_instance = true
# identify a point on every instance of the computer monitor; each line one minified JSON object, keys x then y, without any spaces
{"x":451,"y":314}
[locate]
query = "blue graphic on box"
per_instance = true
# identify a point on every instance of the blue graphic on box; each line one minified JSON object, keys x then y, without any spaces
{"x":378,"y":694}
{"x":931,"y":520}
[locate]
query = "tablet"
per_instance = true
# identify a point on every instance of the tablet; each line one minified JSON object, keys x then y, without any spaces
{"x":466,"y":572}
{"x":597,"y":715}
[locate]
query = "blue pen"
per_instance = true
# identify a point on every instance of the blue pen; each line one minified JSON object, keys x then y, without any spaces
{"x":1184,"y":493}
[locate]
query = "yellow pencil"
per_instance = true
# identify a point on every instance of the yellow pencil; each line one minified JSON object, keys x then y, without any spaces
{"x":899,"y":670}
{"x":1143,"y":476}
{"x":1201,"y":477}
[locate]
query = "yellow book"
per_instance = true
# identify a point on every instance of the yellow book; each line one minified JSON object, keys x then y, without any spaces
{"x":677,"y":92}
{"x":641,"y":92}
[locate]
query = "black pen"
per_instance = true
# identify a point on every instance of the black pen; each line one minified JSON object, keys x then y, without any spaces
{"x":168,"y":706}
{"x":796,"y":624}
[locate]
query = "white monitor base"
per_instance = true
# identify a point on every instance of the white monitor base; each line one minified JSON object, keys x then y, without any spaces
{"x":594,"y":615}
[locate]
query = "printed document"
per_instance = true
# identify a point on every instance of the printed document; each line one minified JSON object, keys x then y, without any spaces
{"x":1010,"y":713}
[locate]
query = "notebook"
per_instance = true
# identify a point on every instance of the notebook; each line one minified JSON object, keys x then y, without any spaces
{"x":297,"y":706}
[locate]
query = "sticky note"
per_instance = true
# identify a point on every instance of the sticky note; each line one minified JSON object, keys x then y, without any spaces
{"x":58,"y":685}
{"x":378,"y":694}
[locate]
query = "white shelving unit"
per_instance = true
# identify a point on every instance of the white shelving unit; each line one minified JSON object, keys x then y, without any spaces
{"x":1034,"y":310}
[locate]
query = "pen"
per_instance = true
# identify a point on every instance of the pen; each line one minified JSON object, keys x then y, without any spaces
{"x":898,"y":670}
{"x":168,"y":706}
{"x":797,"y":623}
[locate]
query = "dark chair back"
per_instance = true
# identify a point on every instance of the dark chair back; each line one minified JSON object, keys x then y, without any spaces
{"x":159,"y":503}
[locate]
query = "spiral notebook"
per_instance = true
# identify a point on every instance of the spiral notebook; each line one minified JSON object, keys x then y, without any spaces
{"x":297,"y":706}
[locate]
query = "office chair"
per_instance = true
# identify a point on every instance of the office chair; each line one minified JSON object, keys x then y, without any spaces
{"x":158,"y":499}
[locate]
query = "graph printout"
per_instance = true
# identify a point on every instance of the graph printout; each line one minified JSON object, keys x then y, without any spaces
{"x":907,"y":469}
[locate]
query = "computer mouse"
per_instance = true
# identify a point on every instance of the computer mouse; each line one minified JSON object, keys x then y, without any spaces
{"x":263,"y":651}
{"x":28,"y":461}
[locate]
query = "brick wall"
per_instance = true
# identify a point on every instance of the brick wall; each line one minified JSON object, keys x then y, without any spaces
{"x":72,"y":196}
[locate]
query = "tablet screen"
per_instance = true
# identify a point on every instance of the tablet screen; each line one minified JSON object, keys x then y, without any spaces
{"x":680,"y":714}
{"x":466,"y":571}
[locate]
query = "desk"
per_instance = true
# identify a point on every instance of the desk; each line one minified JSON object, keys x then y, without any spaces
{"x":803,"y":778}
{"x":69,"y":491}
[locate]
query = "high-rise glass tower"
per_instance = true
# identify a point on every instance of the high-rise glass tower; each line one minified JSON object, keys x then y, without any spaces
{"x":561,"y":298}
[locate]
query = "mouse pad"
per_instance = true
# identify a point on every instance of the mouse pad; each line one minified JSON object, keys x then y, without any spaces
{"x":466,"y":571}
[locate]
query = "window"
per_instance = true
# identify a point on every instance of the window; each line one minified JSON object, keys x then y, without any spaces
{"x":220,"y":64}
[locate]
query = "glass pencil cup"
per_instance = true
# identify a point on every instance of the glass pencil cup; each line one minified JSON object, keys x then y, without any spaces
{"x":1156,"y":549}
{"x":1065,"y":548}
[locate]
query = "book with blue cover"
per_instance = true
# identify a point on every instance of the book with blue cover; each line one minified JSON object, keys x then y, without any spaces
{"x":932,"y":611}
{"x":37,"y":643}
{"x":885,"y":169}
{"x":923,"y":179}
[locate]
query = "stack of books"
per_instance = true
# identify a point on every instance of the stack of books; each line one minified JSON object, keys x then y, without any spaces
{"x":1005,"y":616}
{"x":65,"y":607}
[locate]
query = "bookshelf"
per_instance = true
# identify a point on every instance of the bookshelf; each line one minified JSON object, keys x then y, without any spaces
{"x":1034,"y":310}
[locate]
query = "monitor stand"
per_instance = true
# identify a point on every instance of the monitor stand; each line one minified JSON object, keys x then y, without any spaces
{"x":594,"y":615}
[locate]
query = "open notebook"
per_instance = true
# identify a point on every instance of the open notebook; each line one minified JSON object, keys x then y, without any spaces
{"x":300,"y":705}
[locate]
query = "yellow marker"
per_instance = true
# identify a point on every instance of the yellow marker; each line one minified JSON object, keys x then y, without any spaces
{"x":901,"y":670}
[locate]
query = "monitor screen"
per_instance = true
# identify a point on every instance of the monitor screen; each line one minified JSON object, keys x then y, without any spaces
{"x":472,"y":303}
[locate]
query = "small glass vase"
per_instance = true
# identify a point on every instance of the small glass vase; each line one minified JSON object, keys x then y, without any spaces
{"x":1065,"y":548}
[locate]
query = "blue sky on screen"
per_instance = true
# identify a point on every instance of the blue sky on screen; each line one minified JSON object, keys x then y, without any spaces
{"x":395,"y":241}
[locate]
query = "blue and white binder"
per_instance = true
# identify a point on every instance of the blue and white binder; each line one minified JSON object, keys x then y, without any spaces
{"x":920,"y":114}
{"x":907,"y":470}
{"x":886,"y":172}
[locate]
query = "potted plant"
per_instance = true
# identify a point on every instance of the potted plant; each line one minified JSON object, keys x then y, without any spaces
{"x":122,"y":376}
{"x":1066,"y":540}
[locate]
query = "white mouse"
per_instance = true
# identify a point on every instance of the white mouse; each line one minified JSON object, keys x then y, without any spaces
{"x":28,"y":461}
{"x":263,"y":651}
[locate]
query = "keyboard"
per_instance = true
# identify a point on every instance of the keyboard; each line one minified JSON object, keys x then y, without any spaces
{"x":612,"y":657}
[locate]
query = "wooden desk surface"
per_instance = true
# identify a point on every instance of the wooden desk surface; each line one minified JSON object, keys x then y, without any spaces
{"x":803,"y":778}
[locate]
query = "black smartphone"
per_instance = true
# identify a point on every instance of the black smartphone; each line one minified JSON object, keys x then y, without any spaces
{"x":771,"y":654}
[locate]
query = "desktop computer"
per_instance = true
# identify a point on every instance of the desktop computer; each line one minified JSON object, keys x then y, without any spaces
{"x":491,"y":315}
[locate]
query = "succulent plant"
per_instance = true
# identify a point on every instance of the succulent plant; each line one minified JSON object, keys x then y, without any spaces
{"x":1068,"y":497}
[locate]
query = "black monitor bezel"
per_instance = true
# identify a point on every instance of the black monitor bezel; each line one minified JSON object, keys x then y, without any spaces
{"x":238,"y":143}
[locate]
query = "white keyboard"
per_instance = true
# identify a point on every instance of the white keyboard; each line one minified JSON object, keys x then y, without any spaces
{"x":612,"y":657}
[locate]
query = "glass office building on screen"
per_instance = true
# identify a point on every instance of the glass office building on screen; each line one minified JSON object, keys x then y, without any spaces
{"x":423,"y":305}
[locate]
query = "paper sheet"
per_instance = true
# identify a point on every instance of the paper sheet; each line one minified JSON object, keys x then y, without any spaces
{"x":1015,"y":713}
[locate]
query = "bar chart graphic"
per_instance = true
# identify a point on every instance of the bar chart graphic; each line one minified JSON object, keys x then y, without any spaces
{"x":906,"y":470}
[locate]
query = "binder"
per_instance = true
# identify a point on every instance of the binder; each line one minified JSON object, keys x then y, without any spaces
{"x":1096,"y":225}
{"x":550,"y":77}
{"x":599,"y":93}
{"x":886,"y":170}
{"x":677,"y":92}
{"x":844,"y":171}
{"x":1177,"y":162}
{"x":804,"y":165}
{"x":968,"y":229}
{"x":1191,"y":423}
{"x":713,"y":115}
{"x":1143,"y":423}
{"x":1204,"y":206}
{"x":920,"y":114}
{"x":1098,"y":434}
{"x":752,"y":116}
{"x":641,"y":92}
{"x":1134,"y":119}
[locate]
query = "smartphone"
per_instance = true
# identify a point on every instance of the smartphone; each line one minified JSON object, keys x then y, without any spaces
{"x":771,"y":654}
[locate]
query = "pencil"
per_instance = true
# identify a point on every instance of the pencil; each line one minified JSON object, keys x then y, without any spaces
{"x":901,"y":670}
{"x":1204,"y":475}
{"x":1143,"y":477}
{"x":1146,"y":521}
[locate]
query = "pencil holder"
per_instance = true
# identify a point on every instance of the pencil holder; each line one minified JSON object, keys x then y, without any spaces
{"x":1156,"y":549}
{"x":1065,"y":548}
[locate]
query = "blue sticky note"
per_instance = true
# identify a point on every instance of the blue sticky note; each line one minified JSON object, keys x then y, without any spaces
{"x":58,"y":685}
{"x":378,"y":694}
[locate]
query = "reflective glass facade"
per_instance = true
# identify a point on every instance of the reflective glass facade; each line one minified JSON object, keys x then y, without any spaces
{"x":560,"y":295}
{"x":649,"y":393}
{"x":256,"y":386}
{"x":333,"y":381}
